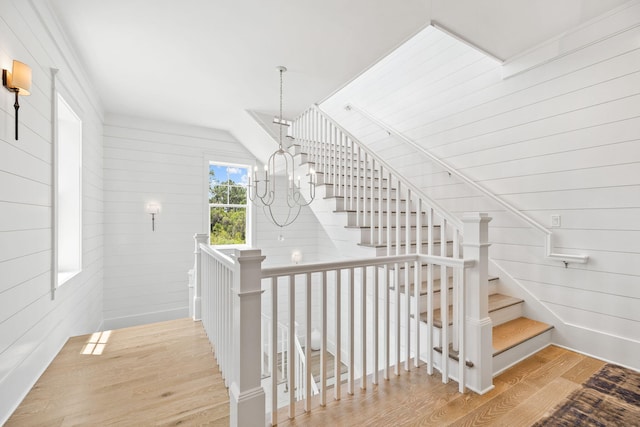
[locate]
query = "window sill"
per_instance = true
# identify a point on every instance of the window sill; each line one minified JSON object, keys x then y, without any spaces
{"x":65,"y":276}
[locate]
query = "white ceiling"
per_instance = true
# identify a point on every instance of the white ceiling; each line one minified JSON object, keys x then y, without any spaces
{"x":208,"y":62}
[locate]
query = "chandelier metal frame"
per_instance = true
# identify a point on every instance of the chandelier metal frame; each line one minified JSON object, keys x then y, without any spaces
{"x":268,"y":194}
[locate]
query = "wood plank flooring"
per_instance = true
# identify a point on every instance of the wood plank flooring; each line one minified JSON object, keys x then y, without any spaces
{"x":164,"y":374}
{"x":522,"y":395}
{"x":159,"y":374}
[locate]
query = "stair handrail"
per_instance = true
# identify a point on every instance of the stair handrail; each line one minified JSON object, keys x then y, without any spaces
{"x":439,"y":210}
{"x":549,"y":253}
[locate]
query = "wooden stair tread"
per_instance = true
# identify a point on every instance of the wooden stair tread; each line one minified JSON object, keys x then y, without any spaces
{"x":508,"y":335}
{"x":496,"y":302}
{"x":514,"y":332}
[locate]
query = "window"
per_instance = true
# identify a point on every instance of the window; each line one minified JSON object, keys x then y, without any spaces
{"x":228,"y":203}
{"x":67,"y":193}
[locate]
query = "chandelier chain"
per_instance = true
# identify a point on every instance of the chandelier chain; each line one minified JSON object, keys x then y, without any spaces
{"x":280,"y":140}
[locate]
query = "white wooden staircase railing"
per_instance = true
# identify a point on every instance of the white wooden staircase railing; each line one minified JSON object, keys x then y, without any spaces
{"x":361,"y":304}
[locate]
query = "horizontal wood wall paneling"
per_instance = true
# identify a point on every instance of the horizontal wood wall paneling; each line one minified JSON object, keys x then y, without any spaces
{"x":602,"y":261}
{"x":145,"y":161}
{"x":596,"y":321}
{"x":34,"y":327}
{"x":24,"y":242}
{"x":592,"y":302}
{"x":621,"y":110}
{"x":129,"y":126}
{"x":432,"y":76}
{"x":121,"y":300}
{"x":23,"y":268}
{"x":489,"y":99}
{"x":542,"y":121}
{"x":560,"y":139}
{"x":584,"y":198}
{"x":613,"y":283}
{"x":17,"y":189}
{"x":137,"y":187}
{"x":557,"y":93}
{"x":592,"y":135}
{"x":116,"y":277}
{"x":19,"y":216}
{"x":16,"y":160}
{"x":147,"y":259}
{"x":18,"y":297}
{"x":614,"y":219}
{"x":114,"y":197}
{"x":620,"y":241}
{"x":21,"y":327}
{"x":179,"y":155}
{"x":143,"y":169}
{"x":148,"y":289}
{"x":588,"y":175}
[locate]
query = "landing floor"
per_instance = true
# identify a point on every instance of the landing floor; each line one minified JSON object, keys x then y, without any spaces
{"x":164,"y":374}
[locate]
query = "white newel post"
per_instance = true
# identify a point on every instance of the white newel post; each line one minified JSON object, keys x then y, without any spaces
{"x":478,"y":336}
{"x":198,"y":238}
{"x":247,"y":399}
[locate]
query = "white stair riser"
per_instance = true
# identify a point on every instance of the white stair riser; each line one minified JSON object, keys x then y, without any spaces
{"x":343,"y":191}
{"x":382,"y":235}
{"x":520,"y":352}
{"x":382,"y":250}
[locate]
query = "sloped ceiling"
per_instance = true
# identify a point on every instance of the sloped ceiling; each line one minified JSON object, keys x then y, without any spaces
{"x":209,"y":62}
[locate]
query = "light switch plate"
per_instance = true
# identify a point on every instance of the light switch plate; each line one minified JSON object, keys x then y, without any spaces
{"x":555,"y":221}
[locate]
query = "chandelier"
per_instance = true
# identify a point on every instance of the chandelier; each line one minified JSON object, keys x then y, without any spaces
{"x":283,"y":200}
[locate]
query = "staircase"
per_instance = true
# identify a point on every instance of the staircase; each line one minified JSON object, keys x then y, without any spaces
{"x":368,"y":211}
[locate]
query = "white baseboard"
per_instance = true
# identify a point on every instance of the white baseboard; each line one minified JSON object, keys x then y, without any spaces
{"x":145,"y":318}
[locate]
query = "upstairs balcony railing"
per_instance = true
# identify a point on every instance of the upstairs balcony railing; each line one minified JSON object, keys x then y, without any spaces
{"x":365,"y":310}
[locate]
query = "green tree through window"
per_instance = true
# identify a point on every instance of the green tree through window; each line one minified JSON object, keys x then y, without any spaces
{"x":227,"y":204}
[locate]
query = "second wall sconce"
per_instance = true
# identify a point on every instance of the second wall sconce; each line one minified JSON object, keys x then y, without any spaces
{"x":19,"y":82}
{"x":153,"y":209}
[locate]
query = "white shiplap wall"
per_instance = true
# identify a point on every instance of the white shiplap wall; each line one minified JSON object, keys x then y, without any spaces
{"x":150,"y":161}
{"x":560,"y":135}
{"x":33,"y":327}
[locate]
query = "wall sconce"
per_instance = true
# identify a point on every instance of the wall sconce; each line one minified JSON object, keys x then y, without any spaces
{"x":19,"y":82}
{"x":153,"y":209}
{"x":296,"y":257}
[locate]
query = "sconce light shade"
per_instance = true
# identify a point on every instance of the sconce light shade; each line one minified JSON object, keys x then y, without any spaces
{"x":17,"y":81}
{"x":153,"y":208}
{"x":20,"y":78}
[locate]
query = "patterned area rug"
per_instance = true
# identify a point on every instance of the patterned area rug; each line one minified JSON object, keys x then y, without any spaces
{"x":611,"y":397}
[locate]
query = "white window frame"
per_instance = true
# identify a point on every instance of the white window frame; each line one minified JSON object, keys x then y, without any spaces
{"x":228,"y":159}
{"x":67,"y":213}
{"x":246,"y":206}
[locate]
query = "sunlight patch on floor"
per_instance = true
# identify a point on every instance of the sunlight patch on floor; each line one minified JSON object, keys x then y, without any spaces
{"x":96,"y":344}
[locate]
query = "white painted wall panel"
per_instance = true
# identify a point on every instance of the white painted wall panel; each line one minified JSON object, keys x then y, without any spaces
{"x":145,"y":271}
{"x":149,"y":161}
{"x":33,"y":327}
{"x":561,"y":138}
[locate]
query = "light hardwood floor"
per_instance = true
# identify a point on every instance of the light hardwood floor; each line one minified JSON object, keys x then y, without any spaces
{"x":164,"y":374}
{"x":159,"y":374}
